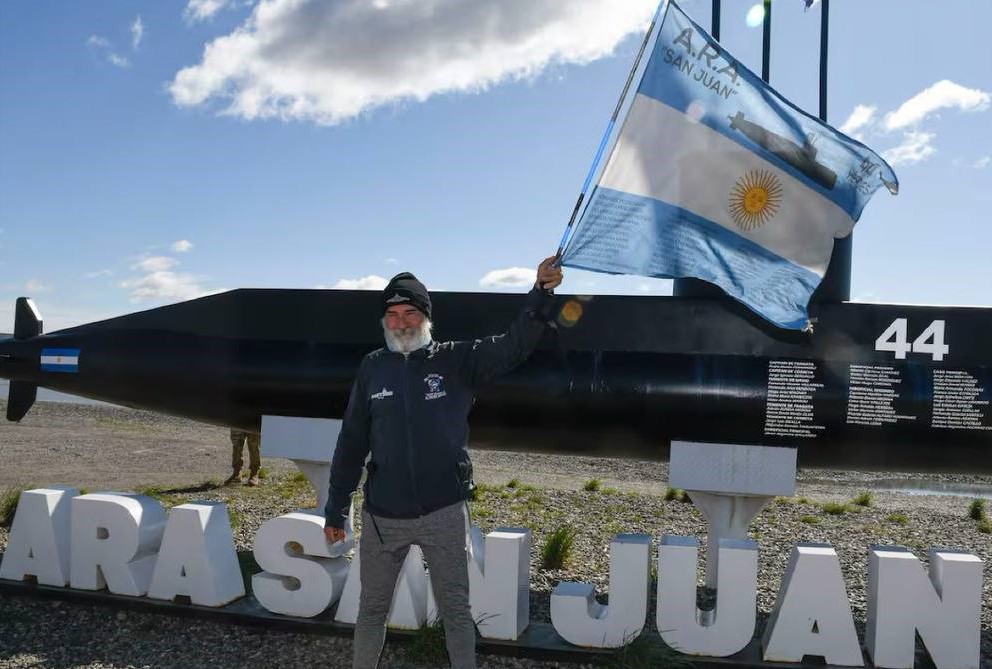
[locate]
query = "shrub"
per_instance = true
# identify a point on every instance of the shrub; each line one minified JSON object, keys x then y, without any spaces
{"x":864,"y":499}
{"x":646,"y":653}
{"x":897,"y":518}
{"x":591,"y":485}
{"x":557,"y":551}
{"x":976,"y":510}
{"x":985,"y":526}
{"x":835,"y":508}
{"x":674,"y":495}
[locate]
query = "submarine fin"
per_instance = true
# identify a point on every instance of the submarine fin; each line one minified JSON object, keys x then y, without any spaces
{"x":27,"y":320}
{"x":20,"y":399}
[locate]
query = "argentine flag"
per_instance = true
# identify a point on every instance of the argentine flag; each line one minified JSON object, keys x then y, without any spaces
{"x":716,"y":176}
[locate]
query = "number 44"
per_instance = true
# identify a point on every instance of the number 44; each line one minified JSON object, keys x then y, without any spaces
{"x":930,"y":340}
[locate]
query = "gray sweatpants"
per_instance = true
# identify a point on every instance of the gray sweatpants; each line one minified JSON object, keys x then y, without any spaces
{"x":442,"y":536}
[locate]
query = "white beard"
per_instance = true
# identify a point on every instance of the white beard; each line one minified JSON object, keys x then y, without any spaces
{"x":407,"y":340}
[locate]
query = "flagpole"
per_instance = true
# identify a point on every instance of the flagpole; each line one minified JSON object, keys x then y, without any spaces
{"x":766,"y":41}
{"x":715,"y":20}
{"x":609,"y":131}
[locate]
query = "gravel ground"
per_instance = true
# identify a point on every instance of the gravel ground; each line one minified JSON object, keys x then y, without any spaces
{"x":121,"y":449}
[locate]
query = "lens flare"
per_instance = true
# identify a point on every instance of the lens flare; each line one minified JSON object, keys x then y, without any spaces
{"x":570,"y":313}
{"x":755,"y":16}
{"x":695,"y":111}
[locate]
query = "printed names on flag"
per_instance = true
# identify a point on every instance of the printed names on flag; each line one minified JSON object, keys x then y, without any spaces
{"x":957,"y":402}
{"x":792,"y":387}
{"x":872,"y":393}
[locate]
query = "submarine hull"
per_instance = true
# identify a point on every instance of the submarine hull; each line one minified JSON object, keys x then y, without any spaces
{"x":875,"y":387}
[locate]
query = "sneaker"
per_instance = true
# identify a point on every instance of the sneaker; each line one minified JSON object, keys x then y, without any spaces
{"x":233,"y":478}
{"x":253,"y":480}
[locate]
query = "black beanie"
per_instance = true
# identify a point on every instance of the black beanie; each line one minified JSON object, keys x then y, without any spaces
{"x":404,"y":288}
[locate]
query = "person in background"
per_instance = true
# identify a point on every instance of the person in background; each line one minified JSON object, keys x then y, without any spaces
{"x":238,"y":440}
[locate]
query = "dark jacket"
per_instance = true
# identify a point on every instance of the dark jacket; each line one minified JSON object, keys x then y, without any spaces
{"x":411,"y":412}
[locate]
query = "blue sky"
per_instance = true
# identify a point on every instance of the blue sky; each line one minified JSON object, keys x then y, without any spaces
{"x":153,"y":152}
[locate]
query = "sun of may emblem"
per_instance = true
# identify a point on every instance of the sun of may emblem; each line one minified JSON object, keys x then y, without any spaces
{"x":755,"y":199}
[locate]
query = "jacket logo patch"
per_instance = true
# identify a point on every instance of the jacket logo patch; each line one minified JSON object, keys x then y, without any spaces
{"x":382,"y":394}
{"x":434,"y":387}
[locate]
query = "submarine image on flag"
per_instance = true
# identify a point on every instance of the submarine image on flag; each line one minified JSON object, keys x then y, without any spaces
{"x":803,"y":158}
{"x":879,"y":387}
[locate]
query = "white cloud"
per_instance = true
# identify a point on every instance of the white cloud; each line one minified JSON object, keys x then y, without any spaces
{"x":859,"y":118}
{"x":330,"y":61}
{"x":511,"y":277}
{"x":160,"y":285}
{"x":370,"y":282}
{"x":201,"y":10}
{"x":982,"y":162}
{"x":916,"y":147}
{"x":942,"y":95}
{"x":98,"y":273}
{"x":137,"y":32}
{"x":36,"y":286}
{"x":182,"y":246}
{"x":103,"y":47}
{"x":155,"y":264}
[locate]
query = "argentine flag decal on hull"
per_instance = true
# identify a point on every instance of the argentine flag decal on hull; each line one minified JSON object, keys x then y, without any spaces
{"x":64,"y":360}
{"x":714,"y":175}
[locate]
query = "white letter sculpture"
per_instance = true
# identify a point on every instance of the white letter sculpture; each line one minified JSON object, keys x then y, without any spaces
{"x":198,"y":558}
{"x":409,"y":607}
{"x":945,"y":609}
{"x":39,"y":537}
{"x":294,"y":582}
{"x":499,"y":583}
{"x":679,"y":621}
{"x":581,"y":620}
{"x":812,"y":615}
{"x":114,"y":541}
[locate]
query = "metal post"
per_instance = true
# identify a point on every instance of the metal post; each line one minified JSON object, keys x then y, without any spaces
{"x":836,"y":284}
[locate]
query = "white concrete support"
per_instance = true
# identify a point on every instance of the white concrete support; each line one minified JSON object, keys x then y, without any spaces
{"x":581,"y":620}
{"x":499,"y":582}
{"x":115,"y":538}
{"x":409,"y":607}
{"x":310,"y":444}
{"x":38,"y":544}
{"x":730,"y":484}
{"x":198,"y":558}
{"x":812,"y":614}
{"x":730,"y":626}
{"x":300,"y":576}
{"x":944,"y":609}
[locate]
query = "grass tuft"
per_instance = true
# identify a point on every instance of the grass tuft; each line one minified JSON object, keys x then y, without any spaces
{"x":557,"y":550}
{"x":976,"y":510}
{"x":592,"y":485}
{"x":427,"y":646}
{"x":863,"y":499}
{"x":985,"y":526}
{"x":835,"y":508}
{"x":897,"y":518}
{"x":809,"y":520}
{"x":675,"y":495}
{"x":263,"y":473}
{"x":645,"y":653}
{"x":513,"y":483}
{"x":8,"y":506}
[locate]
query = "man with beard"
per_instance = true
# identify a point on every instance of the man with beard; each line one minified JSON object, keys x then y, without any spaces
{"x":408,"y":414}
